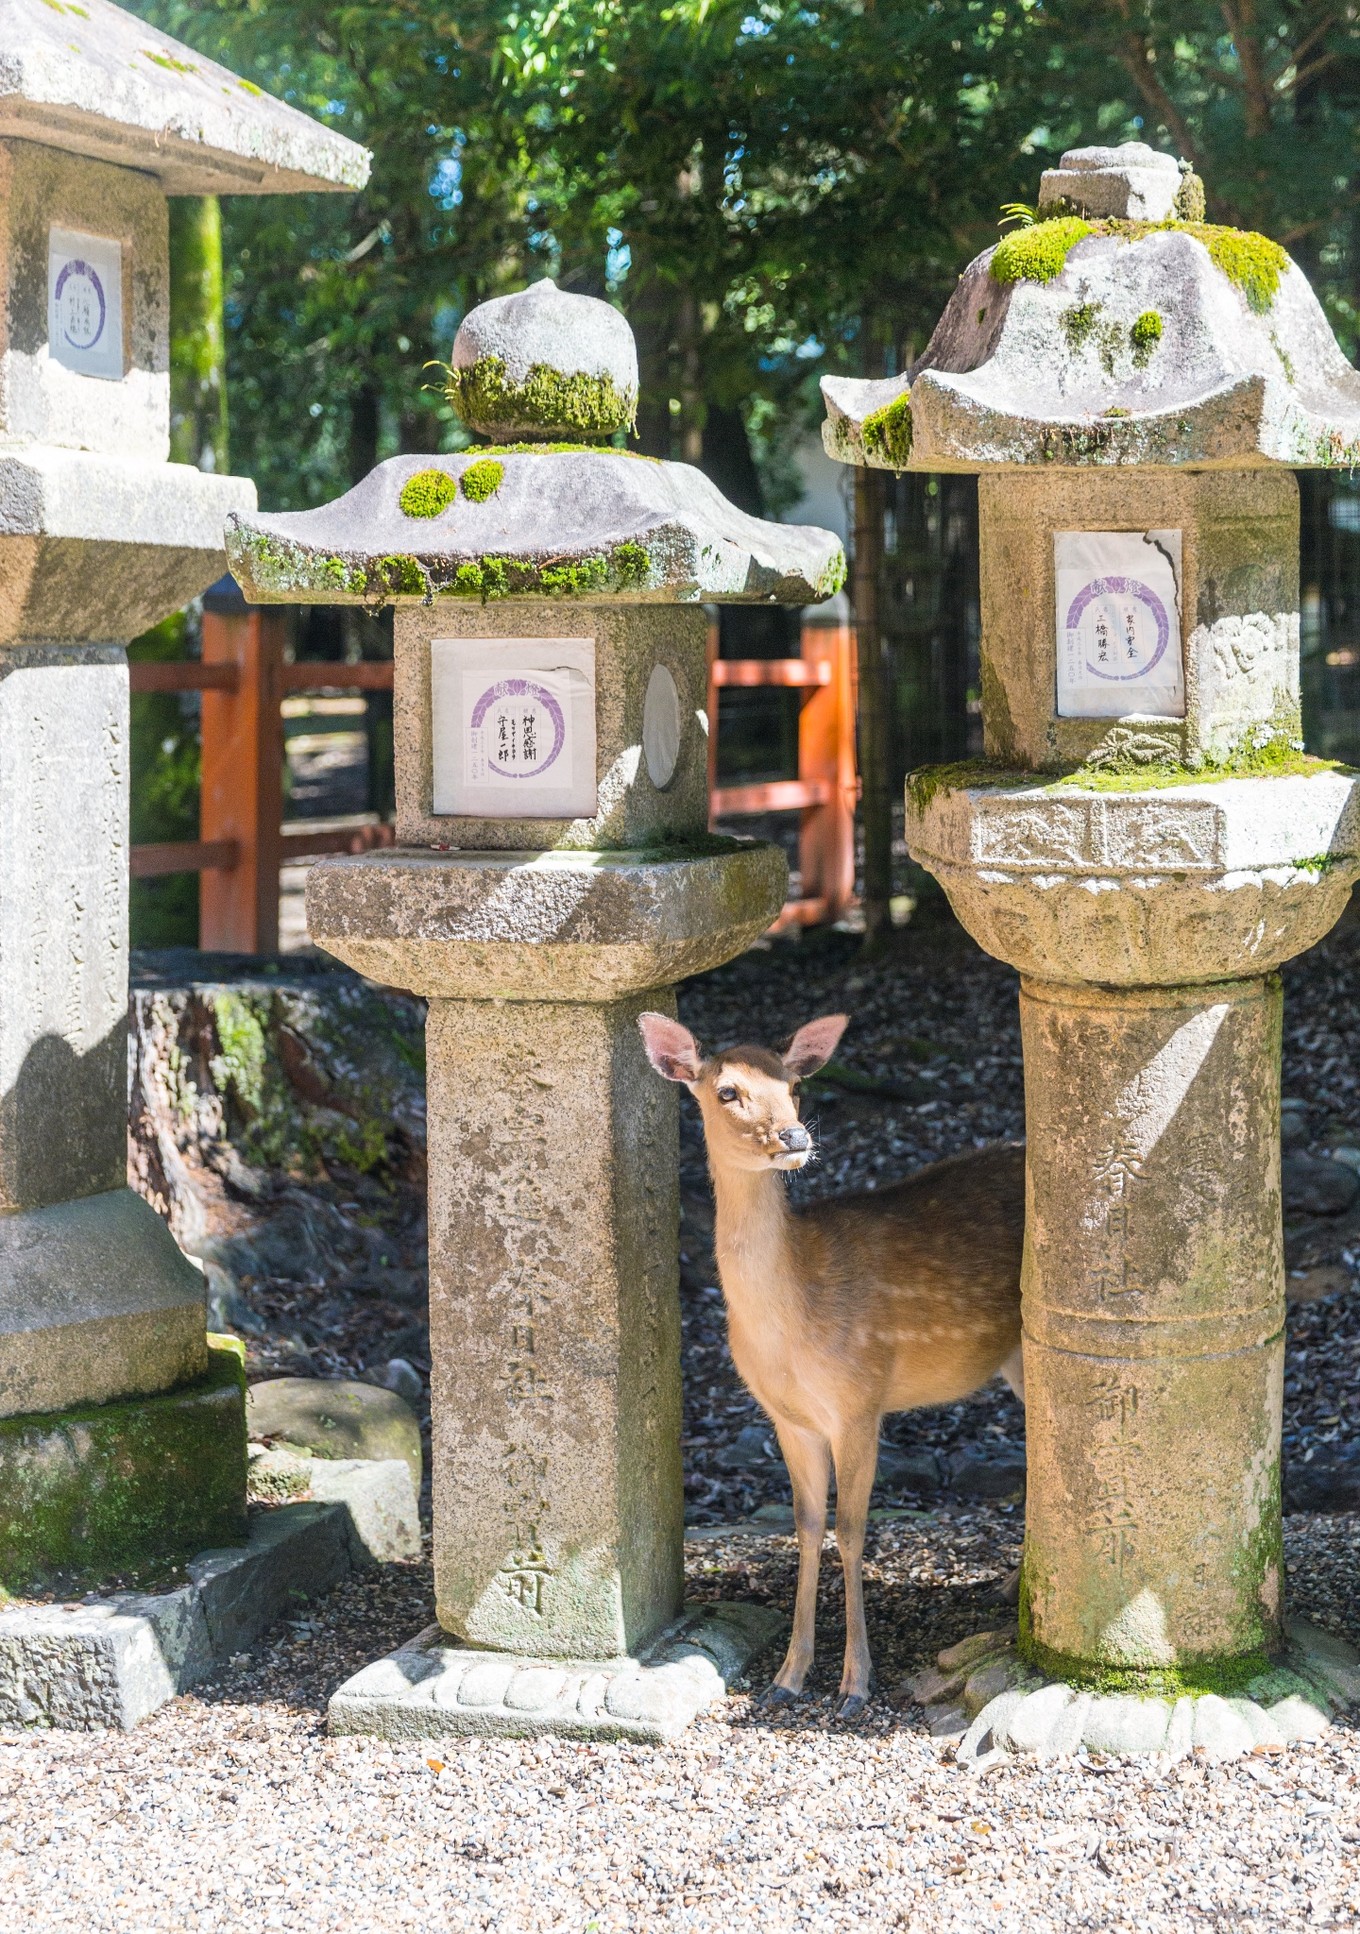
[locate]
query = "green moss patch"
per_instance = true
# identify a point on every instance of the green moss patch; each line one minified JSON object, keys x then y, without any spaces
{"x":588,"y":406}
{"x":427,"y":493}
{"x":481,"y":480}
{"x":1251,"y":262}
{"x":886,"y":433}
{"x":1145,"y":335}
{"x":624,"y":567}
{"x":1038,"y":253}
{"x":1276,"y":760}
{"x":98,"y":1491}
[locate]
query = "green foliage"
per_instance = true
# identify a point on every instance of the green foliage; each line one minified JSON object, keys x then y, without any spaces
{"x":1040,"y":252}
{"x":580,"y":405}
{"x":165,"y":772}
{"x":198,"y":372}
{"x":427,"y":493}
{"x":482,"y":480}
{"x":887,"y":432}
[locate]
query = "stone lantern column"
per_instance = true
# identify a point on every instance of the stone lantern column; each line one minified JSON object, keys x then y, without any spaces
{"x":121,"y":1433}
{"x":554,"y":878}
{"x":1146,"y":842}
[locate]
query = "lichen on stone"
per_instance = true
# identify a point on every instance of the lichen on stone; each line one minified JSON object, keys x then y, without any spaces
{"x":886,"y":433}
{"x":1038,"y":253}
{"x":427,"y":493}
{"x":481,"y":480}
{"x":484,"y":394}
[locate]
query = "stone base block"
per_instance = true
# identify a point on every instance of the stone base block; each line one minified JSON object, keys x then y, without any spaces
{"x":382,"y":1501}
{"x":97,"y":1302}
{"x":108,"y":1488}
{"x":982,"y":1691}
{"x":435,"y":1689}
{"x":111,"y":1661}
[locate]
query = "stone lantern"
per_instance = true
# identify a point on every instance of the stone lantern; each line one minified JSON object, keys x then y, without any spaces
{"x":554,"y":878}
{"x":1146,"y":842}
{"x":119,"y":1438}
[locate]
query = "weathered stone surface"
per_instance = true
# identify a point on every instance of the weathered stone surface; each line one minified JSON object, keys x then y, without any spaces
{"x":1055,"y":371}
{"x":978,"y":1475}
{"x":330,"y":1418}
{"x":1154,"y":1309}
{"x":97,"y":547}
{"x":98,"y":81}
{"x":1315,"y":1186}
{"x":1144,"y":888}
{"x":41,"y":400}
{"x":544,"y":327}
{"x":103,"y":1488}
{"x":531,"y":927}
{"x":1026,"y":1714}
{"x":96,"y":1302}
{"x":110,"y":1662}
{"x":605,"y":522}
{"x":379,"y":1496}
{"x":630,"y":643}
{"x":554,"y":1320}
{"x":1237,"y":616}
{"x":1132,"y":182}
{"x":430,"y":1689}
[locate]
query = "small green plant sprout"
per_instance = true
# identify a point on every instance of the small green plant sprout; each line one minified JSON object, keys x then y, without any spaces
{"x":1144,"y":336}
{"x":482,"y":480}
{"x":1018,"y":212}
{"x":427,"y":493}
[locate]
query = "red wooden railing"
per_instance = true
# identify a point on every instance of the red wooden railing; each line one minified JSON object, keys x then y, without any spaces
{"x":827,"y":785}
{"x":243,"y":843}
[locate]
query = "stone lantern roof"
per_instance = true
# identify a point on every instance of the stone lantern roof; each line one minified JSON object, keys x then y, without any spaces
{"x":94,"y":80}
{"x":1116,"y":329}
{"x":537,"y":519}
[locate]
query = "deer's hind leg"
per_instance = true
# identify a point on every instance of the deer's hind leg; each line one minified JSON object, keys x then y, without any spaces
{"x":856,"y":1452}
{"x":808,"y":1458}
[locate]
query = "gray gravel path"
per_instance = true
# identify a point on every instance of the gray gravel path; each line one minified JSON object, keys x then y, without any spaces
{"x":232,"y":1810}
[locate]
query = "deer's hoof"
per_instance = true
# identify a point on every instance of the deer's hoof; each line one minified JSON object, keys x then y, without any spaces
{"x":775,"y":1697}
{"x":849,"y":1706}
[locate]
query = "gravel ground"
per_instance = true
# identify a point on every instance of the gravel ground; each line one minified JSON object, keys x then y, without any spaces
{"x":231,"y":1809}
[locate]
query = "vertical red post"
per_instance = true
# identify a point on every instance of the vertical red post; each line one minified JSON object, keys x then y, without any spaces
{"x":826,"y":753}
{"x":238,"y":911}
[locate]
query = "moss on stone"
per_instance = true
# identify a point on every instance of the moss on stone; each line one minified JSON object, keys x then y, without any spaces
{"x":590,"y":406}
{"x":482,"y":480}
{"x":102,"y":1489}
{"x":340,"y":574}
{"x":1251,"y":262}
{"x":1277,"y":760}
{"x":238,"y":1067}
{"x":401,"y":576}
{"x":632,"y":565}
{"x":886,"y":433}
{"x":427,"y":493}
{"x":1190,"y":1678}
{"x":1190,"y":200}
{"x":1038,"y":253}
{"x":624,"y":567}
{"x":832,"y":578}
{"x":1144,"y":336}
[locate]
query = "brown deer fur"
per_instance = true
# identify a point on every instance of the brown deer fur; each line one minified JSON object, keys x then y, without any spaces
{"x":845,"y":1309}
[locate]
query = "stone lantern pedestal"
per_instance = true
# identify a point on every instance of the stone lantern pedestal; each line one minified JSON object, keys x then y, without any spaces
{"x":121,"y":1433}
{"x":1146,"y":843}
{"x":555,"y":878}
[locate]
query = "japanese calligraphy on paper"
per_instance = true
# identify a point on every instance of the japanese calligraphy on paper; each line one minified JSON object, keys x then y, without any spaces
{"x":85,"y":303}
{"x":1119,"y":628}
{"x":514,"y":727}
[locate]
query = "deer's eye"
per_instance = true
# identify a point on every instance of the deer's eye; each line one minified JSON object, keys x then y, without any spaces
{"x":727,"y":1094}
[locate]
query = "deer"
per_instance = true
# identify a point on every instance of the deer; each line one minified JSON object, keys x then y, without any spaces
{"x":848,"y":1308}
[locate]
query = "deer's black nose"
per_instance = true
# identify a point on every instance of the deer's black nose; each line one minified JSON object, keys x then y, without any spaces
{"x":795,"y":1139}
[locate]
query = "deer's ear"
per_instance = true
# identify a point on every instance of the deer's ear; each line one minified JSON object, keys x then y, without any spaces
{"x":813,"y":1045}
{"x":671,"y":1049}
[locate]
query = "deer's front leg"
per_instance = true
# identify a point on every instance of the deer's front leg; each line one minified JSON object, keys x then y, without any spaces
{"x":856,"y":1453}
{"x":809,"y":1462}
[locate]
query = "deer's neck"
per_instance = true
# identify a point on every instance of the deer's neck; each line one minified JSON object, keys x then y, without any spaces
{"x":753,"y":1239}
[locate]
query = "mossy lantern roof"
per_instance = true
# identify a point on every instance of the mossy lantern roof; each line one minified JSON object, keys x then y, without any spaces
{"x":535,"y":519}
{"x":1099,"y":336}
{"x":86,"y":77}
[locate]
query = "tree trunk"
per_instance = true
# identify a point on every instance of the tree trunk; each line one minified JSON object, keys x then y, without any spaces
{"x":875,"y":710}
{"x":198,"y":359}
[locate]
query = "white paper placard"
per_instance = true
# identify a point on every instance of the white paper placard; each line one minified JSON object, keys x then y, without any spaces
{"x":1119,"y":624}
{"x":85,"y":303}
{"x":513,"y":725}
